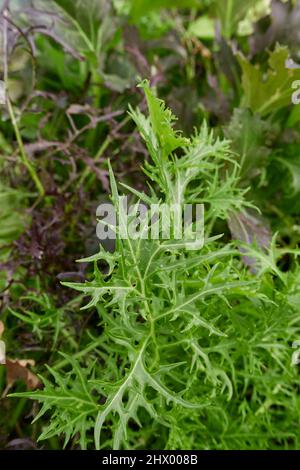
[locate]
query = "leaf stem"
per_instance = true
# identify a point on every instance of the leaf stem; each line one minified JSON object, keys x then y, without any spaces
{"x":24,"y":157}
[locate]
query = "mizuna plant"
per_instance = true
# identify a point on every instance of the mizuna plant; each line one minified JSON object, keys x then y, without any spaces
{"x":193,"y":349}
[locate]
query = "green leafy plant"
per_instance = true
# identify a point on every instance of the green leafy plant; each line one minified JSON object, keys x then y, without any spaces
{"x":175,"y":348}
{"x":193,"y":350}
{"x":267,"y":94}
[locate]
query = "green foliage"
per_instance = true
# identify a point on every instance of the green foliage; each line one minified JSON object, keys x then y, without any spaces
{"x":11,"y":216}
{"x":140,"y":8}
{"x":232,"y":12}
{"x":163,"y":346}
{"x":265,"y":94}
{"x":293,"y":166}
{"x":159,"y":304}
{"x":72,"y":401}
